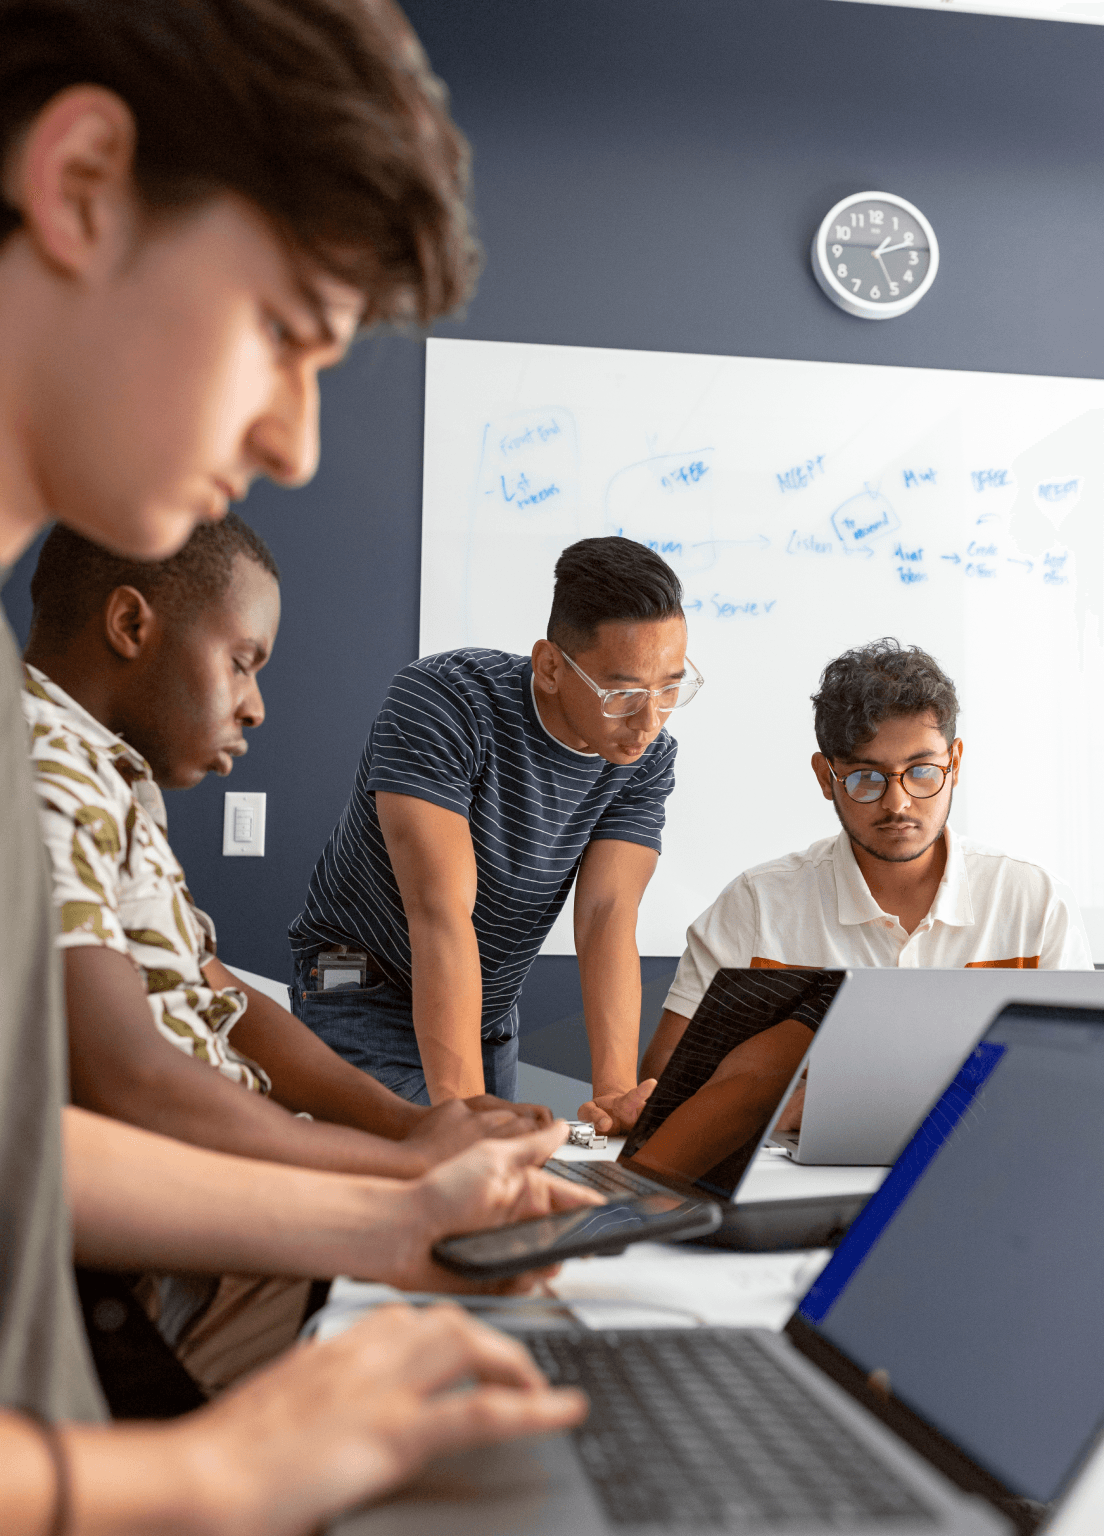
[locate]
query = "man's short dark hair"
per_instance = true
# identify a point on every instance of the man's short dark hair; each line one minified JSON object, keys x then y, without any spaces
{"x":74,"y":578}
{"x":322,"y":113}
{"x":864,"y":687}
{"x":611,"y":580}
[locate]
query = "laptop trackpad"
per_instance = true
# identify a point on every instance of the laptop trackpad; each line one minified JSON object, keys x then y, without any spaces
{"x":531,"y":1488}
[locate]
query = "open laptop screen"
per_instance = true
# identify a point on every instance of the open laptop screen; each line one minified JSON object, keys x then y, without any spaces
{"x":729,"y":1073}
{"x":974,"y":1278}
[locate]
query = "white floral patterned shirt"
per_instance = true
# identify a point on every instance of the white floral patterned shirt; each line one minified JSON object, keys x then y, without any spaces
{"x":116,"y":880}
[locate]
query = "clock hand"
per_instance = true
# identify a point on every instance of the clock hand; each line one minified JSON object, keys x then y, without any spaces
{"x":885,"y":245}
{"x":882,"y":264}
{"x":904,"y":245}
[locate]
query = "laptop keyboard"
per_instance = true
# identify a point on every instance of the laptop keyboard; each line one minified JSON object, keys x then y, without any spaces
{"x":608,"y":1177}
{"x":705,"y":1428}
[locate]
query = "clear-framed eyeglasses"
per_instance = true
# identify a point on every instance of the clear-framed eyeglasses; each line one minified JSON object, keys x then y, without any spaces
{"x":920,"y":781}
{"x":619,"y":702}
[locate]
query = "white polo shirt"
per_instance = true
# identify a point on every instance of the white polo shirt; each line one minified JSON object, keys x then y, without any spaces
{"x":815,"y":908}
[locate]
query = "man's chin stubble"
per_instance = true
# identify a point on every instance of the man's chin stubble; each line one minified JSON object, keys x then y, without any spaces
{"x":889,"y":858}
{"x":892,"y":858}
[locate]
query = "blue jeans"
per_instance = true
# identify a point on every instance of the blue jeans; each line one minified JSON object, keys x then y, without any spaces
{"x":373,"y":1027}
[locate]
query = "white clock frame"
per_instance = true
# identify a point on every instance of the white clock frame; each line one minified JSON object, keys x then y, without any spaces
{"x":867,"y":309}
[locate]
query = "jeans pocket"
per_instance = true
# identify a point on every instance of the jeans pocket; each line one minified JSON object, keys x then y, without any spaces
{"x":355,"y":994}
{"x":340,"y":1017}
{"x":371,"y":1027}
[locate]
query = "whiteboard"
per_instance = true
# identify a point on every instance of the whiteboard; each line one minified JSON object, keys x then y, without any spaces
{"x":807,"y":507}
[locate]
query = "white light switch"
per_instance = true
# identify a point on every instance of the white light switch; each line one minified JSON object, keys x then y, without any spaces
{"x":243,"y":825}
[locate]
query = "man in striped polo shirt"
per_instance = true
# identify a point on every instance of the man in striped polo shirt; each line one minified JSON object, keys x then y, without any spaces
{"x":489,"y":784}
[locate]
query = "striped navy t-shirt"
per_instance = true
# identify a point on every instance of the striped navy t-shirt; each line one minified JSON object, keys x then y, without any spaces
{"x":461,"y":730}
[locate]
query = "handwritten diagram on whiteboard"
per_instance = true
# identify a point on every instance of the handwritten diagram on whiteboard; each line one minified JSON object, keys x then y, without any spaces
{"x":807,"y":507}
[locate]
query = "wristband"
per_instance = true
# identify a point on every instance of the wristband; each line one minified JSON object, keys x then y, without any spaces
{"x":48,"y":1433}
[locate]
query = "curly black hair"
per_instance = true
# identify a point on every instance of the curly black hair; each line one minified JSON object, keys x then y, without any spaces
{"x":864,"y":687}
{"x":74,"y":578}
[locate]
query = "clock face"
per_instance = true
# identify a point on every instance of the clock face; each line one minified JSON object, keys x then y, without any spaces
{"x":875,"y":255}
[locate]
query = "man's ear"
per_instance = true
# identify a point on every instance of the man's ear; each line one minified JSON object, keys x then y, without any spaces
{"x":71,"y":179}
{"x":546,"y":666}
{"x":822,"y":769}
{"x":956,"y":758}
{"x":128,"y":622}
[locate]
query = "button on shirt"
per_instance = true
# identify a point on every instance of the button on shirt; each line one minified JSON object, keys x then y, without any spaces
{"x":116,"y":881}
{"x":815,"y":908}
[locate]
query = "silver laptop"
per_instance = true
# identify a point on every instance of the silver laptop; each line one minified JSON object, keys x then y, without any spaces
{"x":943,"y":1374}
{"x":890,"y":1043}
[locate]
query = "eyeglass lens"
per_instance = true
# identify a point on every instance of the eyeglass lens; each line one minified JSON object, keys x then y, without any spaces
{"x":627,"y":701}
{"x":921,"y":781}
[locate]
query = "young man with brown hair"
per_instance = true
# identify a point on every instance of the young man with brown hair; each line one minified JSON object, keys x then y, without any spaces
{"x":203,"y":202}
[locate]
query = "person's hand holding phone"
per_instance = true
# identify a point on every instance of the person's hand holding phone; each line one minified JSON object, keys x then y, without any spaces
{"x":490,"y":1185}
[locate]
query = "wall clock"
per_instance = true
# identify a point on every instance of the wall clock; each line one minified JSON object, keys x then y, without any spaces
{"x":875,"y":255}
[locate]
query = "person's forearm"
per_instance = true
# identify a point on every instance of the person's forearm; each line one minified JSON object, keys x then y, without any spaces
{"x":306,"y":1074}
{"x":609,"y":967}
{"x":174,"y":1095}
{"x":28,"y":1489}
{"x":669,"y":1031}
{"x":141,"y":1201}
{"x":128,"y":1480}
{"x":448,"y":1004}
{"x":151,"y":1480}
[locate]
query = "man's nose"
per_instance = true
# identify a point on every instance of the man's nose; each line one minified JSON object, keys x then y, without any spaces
{"x":284,"y":439}
{"x":896,"y":797}
{"x":251,"y":710}
{"x":649,"y":717}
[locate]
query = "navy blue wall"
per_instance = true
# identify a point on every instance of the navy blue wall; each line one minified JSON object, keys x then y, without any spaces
{"x":649,"y":175}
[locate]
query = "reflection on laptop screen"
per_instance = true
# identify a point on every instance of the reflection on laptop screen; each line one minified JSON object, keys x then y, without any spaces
{"x":975,"y":1277}
{"x":728,"y":1074}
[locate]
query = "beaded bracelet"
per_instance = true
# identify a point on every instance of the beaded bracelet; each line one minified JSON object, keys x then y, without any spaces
{"x":48,"y":1432}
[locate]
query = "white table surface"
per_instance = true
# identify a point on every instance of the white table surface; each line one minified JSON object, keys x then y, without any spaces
{"x":654,"y":1285}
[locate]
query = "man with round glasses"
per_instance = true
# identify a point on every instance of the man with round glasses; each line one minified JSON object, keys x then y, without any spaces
{"x":896,"y":886}
{"x":490,"y":784}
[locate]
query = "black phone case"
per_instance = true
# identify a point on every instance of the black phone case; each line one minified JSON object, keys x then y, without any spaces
{"x":696,"y":1220}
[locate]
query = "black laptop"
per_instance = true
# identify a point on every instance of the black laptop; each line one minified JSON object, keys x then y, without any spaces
{"x":741,"y":1004}
{"x":944,"y":1374}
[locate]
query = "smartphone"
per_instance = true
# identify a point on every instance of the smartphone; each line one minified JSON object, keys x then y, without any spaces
{"x":545,"y":1240}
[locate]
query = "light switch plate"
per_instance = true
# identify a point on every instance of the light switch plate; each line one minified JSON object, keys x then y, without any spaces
{"x":243,"y":825}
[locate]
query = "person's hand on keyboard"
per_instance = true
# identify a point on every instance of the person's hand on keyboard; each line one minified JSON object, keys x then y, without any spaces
{"x":490,"y":1185}
{"x":332,"y":1424}
{"x":615,"y":1113}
